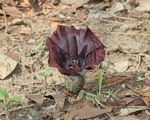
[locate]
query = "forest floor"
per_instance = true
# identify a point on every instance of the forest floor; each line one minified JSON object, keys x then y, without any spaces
{"x":124,"y":29}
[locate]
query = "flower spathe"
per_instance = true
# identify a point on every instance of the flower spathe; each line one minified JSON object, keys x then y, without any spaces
{"x":71,"y":50}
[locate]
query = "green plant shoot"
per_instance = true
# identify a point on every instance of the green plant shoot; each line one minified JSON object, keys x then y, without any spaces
{"x":44,"y":73}
{"x":100,"y":82}
{"x":147,"y":31}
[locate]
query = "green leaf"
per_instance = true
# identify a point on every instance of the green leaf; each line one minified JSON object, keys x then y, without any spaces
{"x":140,"y":78}
{"x":3,"y":93}
{"x":39,"y":45}
{"x":46,"y":72}
{"x":33,"y":112}
{"x":15,"y":99}
{"x":100,"y":82}
{"x":14,"y":77}
{"x":147,"y":30}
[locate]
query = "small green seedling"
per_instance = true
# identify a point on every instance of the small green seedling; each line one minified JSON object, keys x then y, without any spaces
{"x":140,"y":78}
{"x":33,"y":112}
{"x":39,"y":49}
{"x":46,"y":72}
{"x":13,"y":78}
{"x":147,"y":31}
{"x":66,"y":116}
{"x":6,"y":101}
{"x":40,"y":45}
{"x":95,"y":97}
{"x":100,"y":83}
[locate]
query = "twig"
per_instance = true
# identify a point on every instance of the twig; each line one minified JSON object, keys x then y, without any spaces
{"x":108,"y":21}
{"x":124,"y":18}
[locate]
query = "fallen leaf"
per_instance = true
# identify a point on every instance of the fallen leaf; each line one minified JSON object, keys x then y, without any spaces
{"x":7,"y":65}
{"x":146,"y":100}
{"x":13,"y":55}
{"x":12,"y":11}
{"x":116,"y":79}
{"x":133,"y":109}
{"x":131,"y":117}
{"x":146,"y":91}
{"x":121,"y":65}
{"x":143,"y":6}
{"x":147,"y":81}
{"x":87,"y":113}
{"x":38,"y":99}
{"x":116,"y":7}
{"x":60,"y":100}
{"x":79,"y":104}
{"x":130,"y":101}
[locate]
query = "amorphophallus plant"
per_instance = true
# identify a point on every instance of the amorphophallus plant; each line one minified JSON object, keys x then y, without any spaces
{"x":71,"y":50}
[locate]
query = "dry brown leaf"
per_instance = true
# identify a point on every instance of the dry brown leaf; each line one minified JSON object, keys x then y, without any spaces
{"x":146,"y":91}
{"x":146,"y":100}
{"x":7,"y":65}
{"x":60,"y":100}
{"x":131,"y":117}
{"x":38,"y":99}
{"x":12,"y":11}
{"x":10,"y":53}
{"x":144,"y":6}
{"x":147,"y":82}
{"x":121,"y":65}
{"x":25,"y":31}
{"x":116,"y":7}
{"x":87,"y":112}
{"x":133,"y":109}
{"x":115,"y":79}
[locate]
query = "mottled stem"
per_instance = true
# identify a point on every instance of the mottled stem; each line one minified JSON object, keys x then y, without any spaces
{"x":74,"y":83}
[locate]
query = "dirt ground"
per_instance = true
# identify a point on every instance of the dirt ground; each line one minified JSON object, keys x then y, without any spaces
{"x":123,"y":29}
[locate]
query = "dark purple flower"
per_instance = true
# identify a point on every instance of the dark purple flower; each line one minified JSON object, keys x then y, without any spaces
{"x":71,"y":50}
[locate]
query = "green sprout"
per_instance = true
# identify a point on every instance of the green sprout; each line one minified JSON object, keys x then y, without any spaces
{"x":66,"y":116}
{"x":140,"y":78}
{"x":100,"y":83}
{"x":93,"y":96}
{"x":32,"y":112}
{"x":45,"y":73}
{"x":6,"y":101}
{"x":147,"y":31}
{"x":13,"y":78}
{"x":39,"y":49}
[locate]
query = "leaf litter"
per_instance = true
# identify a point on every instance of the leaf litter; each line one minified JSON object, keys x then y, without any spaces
{"x":24,"y":26}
